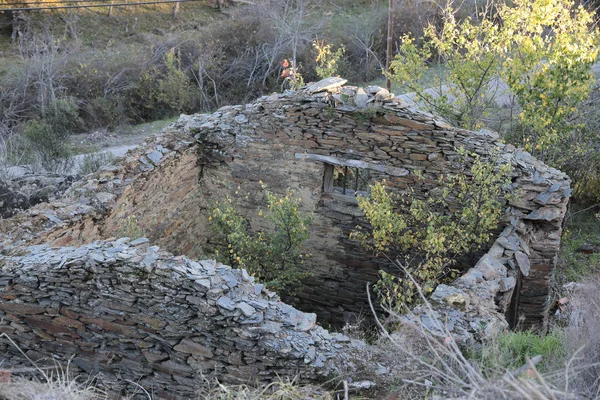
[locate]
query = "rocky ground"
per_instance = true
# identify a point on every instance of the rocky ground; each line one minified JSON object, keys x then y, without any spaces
{"x":23,"y":186}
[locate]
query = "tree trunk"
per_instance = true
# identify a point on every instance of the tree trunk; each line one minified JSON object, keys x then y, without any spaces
{"x":110,"y":9}
{"x":390,"y":33}
{"x":175,"y":9}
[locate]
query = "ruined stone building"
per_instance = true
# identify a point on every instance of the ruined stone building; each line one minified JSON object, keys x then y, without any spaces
{"x":299,"y":140}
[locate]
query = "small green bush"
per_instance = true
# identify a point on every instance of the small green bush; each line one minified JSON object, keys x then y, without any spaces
{"x":511,"y":350}
{"x":424,"y":238}
{"x":109,"y":112}
{"x":166,"y":92}
{"x":62,"y":116}
{"x":49,"y":149}
{"x":93,"y":162}
{"x":48,"y":137}
{"x":275,"y":256}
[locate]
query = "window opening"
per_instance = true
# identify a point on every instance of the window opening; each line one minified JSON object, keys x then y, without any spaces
{"x":349,"y":181}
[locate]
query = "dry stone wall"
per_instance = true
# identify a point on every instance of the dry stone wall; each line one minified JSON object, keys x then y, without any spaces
{"x":128,"y":311}
{"x":164,"y":189}
{"x":291,"y":139}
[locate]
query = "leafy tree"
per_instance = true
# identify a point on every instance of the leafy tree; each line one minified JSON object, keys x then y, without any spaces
{"x":543,"y":50}
{"x":424,"y":238}
{"x":550,"y":49}
{"x":461,"y":93}
{"x":274,"y":256}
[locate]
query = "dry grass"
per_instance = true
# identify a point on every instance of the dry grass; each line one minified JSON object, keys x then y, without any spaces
{"x":581,"y":338}
{"x":58,"y":383}
{"x":64,"y":387}
{"x":55,"y":388}
{"x":441,"y":369}
{"x":280,"y":390}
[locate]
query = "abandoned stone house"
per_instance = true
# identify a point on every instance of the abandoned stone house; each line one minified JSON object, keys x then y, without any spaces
{"x":330,"y":144}
{"x":327,"y":142}
{"x":309,"y":142}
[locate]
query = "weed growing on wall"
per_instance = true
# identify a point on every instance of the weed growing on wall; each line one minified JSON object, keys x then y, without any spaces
{"x":292,"y":78}
{"x":130,"y":228}
{"x":327,"y":60}
{"x":274,"y":256}
{"x":425,"y":237}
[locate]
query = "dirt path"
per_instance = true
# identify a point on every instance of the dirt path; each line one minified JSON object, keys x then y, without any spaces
{"x":101,"y":142}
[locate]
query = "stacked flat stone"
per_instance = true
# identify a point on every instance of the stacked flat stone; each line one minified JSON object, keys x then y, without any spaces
{"x":127,"y":310}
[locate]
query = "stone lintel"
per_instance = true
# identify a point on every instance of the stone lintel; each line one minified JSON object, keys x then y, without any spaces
{"x":394,"y":171}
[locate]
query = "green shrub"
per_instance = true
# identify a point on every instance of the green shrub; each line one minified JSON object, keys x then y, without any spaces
{"x":511,"y":350}
{"x":164,"y":93}
{"x":424,"y":238}
{"x":49,"y":149}
{"x":48,"y":138}
{"x":62,"y":116}
{"x":93,"y":162}
{"x":109,"y":112}
{"x":274,"y":256}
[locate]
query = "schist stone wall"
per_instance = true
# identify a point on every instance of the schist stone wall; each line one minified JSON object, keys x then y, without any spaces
{"x":128,"y":311}
{"x":164,"y":189}
{"x":294,"y":139}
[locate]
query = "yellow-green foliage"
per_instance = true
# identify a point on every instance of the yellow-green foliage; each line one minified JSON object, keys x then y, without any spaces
{"x":327,"y":60}
{"x":130,"y":227}
{"x":424,"y":237}
{"x":169,"y":92}
{"x":511,"y":350}
{"x":274,"y":256}
{"x":550,"y":50}
{"x":543,"y":49}
{"x":471,"y":62}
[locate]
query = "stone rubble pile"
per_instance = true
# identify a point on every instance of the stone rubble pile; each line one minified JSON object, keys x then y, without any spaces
{"x":29,"y":189}
{"x":84,"y":201}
